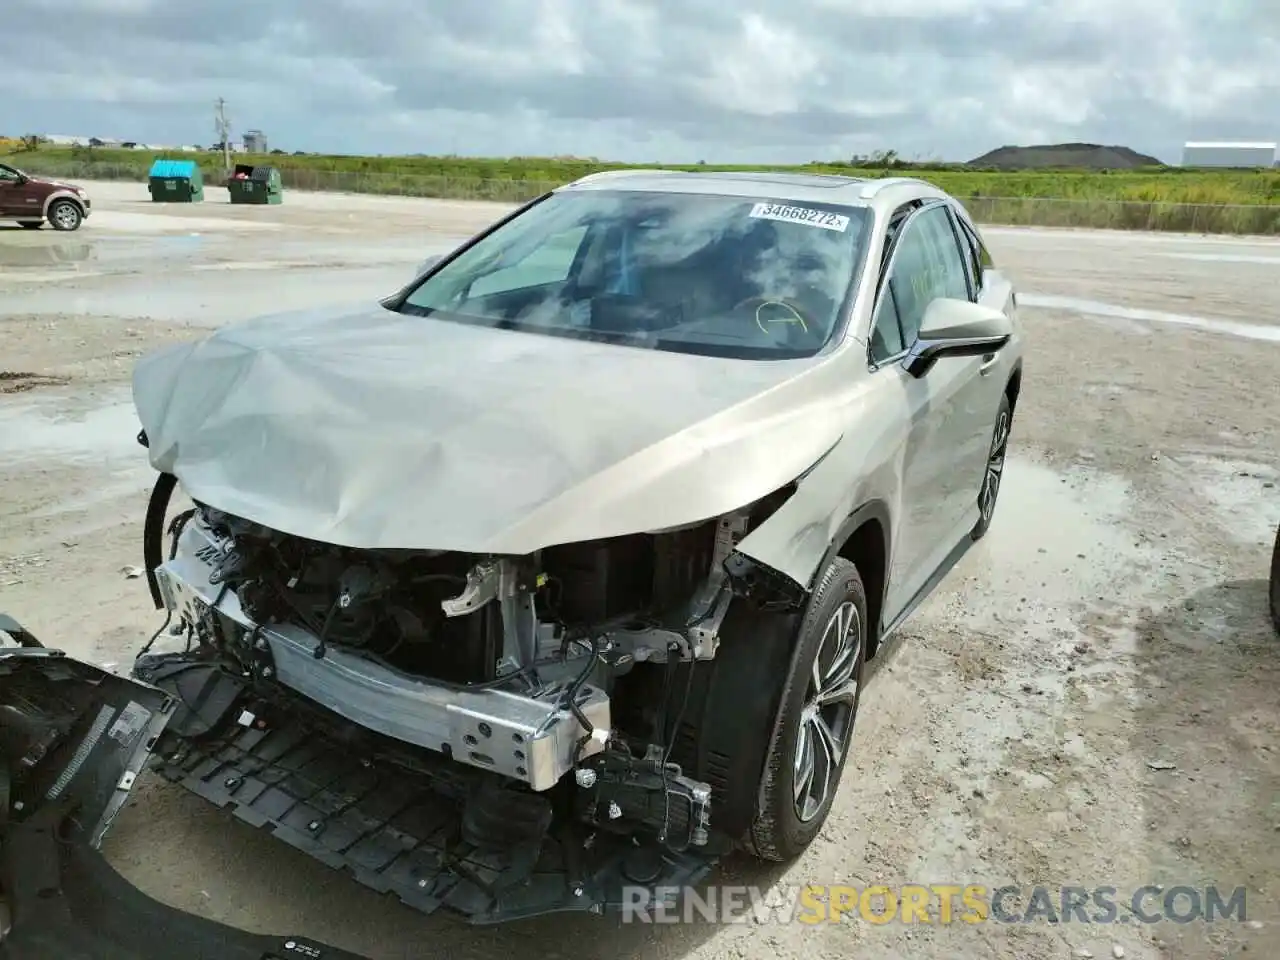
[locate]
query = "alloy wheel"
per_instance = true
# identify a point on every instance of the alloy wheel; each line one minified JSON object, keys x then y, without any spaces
{"x":995,"y":466}
{"x":66,"y":216}
{"x":826,"y":720}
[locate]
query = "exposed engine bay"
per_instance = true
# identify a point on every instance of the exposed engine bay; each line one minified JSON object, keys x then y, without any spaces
{"x":537,"y":694}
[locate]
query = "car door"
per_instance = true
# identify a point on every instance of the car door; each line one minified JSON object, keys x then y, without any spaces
{"x":938,"y":457}
{"x":982,"y":395}
{"x":10,"y":191}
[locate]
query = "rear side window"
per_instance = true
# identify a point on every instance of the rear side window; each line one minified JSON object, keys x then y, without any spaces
{"x":976,"y":254}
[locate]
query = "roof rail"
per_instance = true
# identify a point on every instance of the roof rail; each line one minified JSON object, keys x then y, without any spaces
{"x":619,"y":174}
{"x":875,"y":186}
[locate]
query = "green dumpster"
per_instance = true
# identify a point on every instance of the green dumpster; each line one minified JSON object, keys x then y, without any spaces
{"x":175,"y":181}
{"x":250,"y":183}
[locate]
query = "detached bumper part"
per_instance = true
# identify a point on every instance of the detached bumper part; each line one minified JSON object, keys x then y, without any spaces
{"x":72,"y":739}
{"x":66,"y":903}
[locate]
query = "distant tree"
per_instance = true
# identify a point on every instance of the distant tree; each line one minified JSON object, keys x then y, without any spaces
{"x":30,"y":143}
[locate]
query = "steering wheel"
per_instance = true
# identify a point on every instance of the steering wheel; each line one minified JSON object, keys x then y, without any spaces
{"x":773,"y":310}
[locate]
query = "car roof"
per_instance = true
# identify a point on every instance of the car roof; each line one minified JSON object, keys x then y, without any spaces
{"x":878,"y":193}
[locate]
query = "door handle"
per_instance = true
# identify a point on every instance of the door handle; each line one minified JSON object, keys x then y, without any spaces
{"x":988,"y":363}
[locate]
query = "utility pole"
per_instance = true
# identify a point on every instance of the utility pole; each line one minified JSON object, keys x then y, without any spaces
{"x":223,"y":128}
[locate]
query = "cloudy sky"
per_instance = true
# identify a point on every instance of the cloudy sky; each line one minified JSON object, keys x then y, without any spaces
{"x":647,"y":80}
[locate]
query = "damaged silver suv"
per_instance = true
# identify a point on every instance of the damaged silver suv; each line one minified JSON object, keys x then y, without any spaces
{"x":556,"y":573}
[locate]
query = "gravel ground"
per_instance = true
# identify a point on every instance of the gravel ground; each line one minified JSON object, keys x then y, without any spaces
{"x":1090,"y":699}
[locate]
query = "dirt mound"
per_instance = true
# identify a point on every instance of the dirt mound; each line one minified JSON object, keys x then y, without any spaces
{"x":11,"y":381}
{"x":1089,"y":156}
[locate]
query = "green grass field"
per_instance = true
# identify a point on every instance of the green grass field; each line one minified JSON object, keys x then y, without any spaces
{"x":1225,"y":201}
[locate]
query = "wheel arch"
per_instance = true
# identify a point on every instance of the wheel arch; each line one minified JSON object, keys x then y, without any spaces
{"x":57,"y":195}
{"x":1014,"y":386}
{"x":864,"y":540}
{"x":735,"y":736}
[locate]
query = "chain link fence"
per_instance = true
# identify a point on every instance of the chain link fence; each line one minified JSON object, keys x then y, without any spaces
{"x":1256,"y":219}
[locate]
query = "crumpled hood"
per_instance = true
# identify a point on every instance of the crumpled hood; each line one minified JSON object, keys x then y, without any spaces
{"x":381,"y":430}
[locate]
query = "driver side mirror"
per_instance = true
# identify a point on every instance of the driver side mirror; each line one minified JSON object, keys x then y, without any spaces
{"x":956,"y":328}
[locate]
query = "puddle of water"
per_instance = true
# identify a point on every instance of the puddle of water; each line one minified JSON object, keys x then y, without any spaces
{"x":96,"y":256}
{"x":1249,"y":511}
{"x":1223,"y":258}
{"x":120,"y":221}
{"x":1058,"y":549}
{"x":238,"y":265}
{"x":28,"y":276}
{"x":1251,"y":331}
{"x":1073,"y":513}
{"x":208,"y":298}
{"x":20,"y":256}
{"x":32,"y":431}
{"x":1106,"y":389}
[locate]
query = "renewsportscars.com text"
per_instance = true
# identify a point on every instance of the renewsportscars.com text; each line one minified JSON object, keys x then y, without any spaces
{"x":941,"y":904}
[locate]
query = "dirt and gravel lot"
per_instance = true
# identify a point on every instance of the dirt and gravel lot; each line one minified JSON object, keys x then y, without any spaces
{"x":1092,"y":698}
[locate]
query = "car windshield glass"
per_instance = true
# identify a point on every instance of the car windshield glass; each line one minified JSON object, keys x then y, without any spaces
{"x":723,"y":276}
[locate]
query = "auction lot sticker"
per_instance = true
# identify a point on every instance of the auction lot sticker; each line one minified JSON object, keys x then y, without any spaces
{"x":806,"y":215}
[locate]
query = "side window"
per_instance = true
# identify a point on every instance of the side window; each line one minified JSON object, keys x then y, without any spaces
{"x":928,"y":265}
{"x":7,"y":174}
{"x":886,"y":330}
{"x":976,"y":255}
{"x":550,"y":262}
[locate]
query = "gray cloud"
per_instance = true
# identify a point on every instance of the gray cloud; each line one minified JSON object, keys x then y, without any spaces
{"x":772,"y":80}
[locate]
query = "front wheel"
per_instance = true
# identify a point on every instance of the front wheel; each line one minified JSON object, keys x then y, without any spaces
{"x":995,"y":469}
{"x":65,"y":215}
{"x":818,"y":707}
{"x":1275,"y":583}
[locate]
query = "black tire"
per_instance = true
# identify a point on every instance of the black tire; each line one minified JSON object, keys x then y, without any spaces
{"x":65,"y":216}
{"x":31,"y":224}
{"x":989,"y":492}
{"x":1275,"y":583}
{"x":784,"y":825}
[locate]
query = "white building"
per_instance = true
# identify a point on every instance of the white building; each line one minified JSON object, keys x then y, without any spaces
{"x":255,"y":141}
{"x":1229,"y":155}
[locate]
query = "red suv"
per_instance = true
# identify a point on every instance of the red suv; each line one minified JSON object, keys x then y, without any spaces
{"x":31,"y":201}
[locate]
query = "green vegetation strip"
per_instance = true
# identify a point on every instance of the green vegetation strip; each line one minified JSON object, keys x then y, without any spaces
{"x":1198,"y":201}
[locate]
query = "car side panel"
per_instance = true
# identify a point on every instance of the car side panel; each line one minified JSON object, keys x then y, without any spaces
{"x":30,"y":200}
{"x":933,"y":478}
{"x":925,"y":264}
